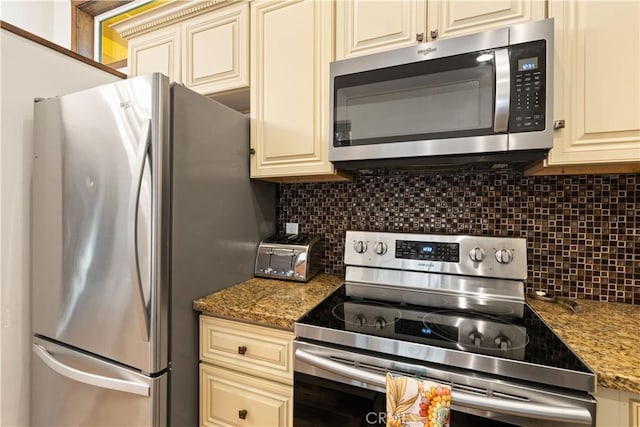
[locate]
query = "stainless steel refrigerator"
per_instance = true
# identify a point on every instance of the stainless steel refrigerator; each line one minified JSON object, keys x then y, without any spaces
{"x":142,"y":203}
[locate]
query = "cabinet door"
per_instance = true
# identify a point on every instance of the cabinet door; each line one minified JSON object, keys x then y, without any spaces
{"x":291,"y":48}
{"x":450,"y":18}
{"x":229,"y":398}
{"x":367,"y":26}
{"x":158,"y":51}
{"x":216,"y":50}
{"x":597,"y":83}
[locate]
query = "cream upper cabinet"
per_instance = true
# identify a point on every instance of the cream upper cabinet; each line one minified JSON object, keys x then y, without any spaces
{"x":216,"y":50}
{"x":450,"y":18}
{"x":156,"y":52}
{"x":597,"y":85}
{"x":368,"y":26}
{"x":291,"y":49}
{"x":203,"y":45}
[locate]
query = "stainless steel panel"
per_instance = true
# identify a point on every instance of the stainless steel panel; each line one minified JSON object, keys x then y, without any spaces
{"x":84,"y":168}
{"x":433,"y":147}
{"x":489,"y":267}
{"x":219,"y":216}
{"x":490,"y":296}
{"x":70,"y":388}
{"x":472,"y":393}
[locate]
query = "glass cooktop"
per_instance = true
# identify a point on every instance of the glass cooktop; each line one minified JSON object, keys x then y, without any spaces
{"x":501,"y":343}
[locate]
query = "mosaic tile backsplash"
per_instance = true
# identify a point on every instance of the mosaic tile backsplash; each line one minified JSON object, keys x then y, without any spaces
{"x":583,"y":232}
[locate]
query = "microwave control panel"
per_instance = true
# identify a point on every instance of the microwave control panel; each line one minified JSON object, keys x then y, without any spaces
{"x":528,"y":86}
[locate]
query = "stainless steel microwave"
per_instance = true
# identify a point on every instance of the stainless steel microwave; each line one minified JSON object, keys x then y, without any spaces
{"x":484,"y":97}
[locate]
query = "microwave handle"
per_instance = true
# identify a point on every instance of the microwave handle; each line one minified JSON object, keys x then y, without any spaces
{"x":503,"y":89}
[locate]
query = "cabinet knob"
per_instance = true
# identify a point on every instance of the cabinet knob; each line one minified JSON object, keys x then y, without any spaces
{"x":242,"y":349}
{"x":434,"y":33}
{"x":420,"y":37}
{"x":242,"y":414}
{"x":252,"y":151}
{"x":558,"y":124}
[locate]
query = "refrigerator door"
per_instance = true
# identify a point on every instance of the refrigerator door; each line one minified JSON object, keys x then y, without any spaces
{"x":95,"y":243}
{"x":73,"y":389}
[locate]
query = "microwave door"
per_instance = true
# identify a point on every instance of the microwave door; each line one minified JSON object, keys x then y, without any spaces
{"x":425,"y":108}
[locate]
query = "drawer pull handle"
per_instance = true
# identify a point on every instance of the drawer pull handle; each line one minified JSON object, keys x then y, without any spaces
{"x":242,"y":350}
{"x":242,"y":414}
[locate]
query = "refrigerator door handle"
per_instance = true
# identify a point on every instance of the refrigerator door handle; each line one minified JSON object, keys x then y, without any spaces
{"x":134,"y":197}
{"x":89,"y":378}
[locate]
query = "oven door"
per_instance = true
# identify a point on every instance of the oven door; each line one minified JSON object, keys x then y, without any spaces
{"x":335,"y":386}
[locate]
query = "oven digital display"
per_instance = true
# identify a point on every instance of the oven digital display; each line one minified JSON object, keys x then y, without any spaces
{"x":428,"y":251}
{"x":527,"y":64}
{"x":417,"y":328}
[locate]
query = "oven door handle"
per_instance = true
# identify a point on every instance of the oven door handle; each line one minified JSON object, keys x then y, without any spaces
{"x":569,"y":414}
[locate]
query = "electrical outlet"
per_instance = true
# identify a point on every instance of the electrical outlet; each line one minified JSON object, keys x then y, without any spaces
{"x":291,"y":228}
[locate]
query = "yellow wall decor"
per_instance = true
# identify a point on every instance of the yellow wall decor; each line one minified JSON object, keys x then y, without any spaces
{"x":113,"y":48}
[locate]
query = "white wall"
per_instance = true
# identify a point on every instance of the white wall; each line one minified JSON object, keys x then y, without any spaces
{"x":27,"y":70}
{"x":50,"y":19}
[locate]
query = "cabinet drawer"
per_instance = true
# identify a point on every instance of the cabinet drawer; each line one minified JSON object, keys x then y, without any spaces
{"x":263,"y":351}
{"x":231,"y":399}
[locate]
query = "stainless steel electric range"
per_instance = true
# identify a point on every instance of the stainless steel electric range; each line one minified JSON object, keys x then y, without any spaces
{"x":442,"y":307}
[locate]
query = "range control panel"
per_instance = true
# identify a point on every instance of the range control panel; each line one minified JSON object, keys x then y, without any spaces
{"x":499,"y":257}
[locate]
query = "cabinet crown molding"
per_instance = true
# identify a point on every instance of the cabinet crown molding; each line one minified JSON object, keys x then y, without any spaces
{"x":164,"y":15}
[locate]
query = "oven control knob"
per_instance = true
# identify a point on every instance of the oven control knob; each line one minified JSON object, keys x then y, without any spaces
{"x":476,"y":338}
{"x":504,"y":256}
{"x":360,"y":320}
{"x":360,"y":246}
{"x":380,"y":248}
{"x":380,"y":323}
{"x":477,"y":254}
{"x":502,"y":342}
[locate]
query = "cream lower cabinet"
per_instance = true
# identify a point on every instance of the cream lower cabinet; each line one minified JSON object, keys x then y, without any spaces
{"x":368,"y":26}
{"x":203,"y":45}
{"x":597,"y":87}
{"x":246,"y":374}
{"x":617,"y":408}
{"x":291,"y":49}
